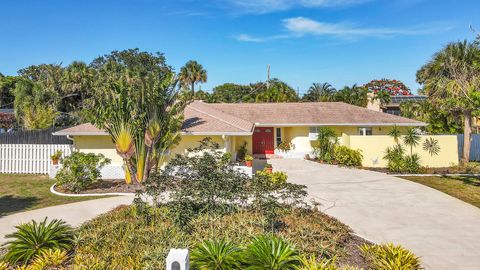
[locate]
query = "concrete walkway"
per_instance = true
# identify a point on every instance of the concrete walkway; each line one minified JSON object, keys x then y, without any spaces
{"x":441,"y":229}
{"x":72,"y":213}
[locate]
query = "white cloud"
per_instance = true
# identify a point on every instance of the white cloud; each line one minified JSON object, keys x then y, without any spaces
{"x":266,"y":6}
{"x":248,"y":38}
{"x":301,"y":26}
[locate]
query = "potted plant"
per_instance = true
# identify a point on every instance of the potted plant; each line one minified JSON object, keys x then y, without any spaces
{"x":268,"y":168}
{"x":248,"y":160}
{"x":56,"y":157}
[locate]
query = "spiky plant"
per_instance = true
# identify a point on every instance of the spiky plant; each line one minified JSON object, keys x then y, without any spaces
{"x":389,"y":256}
{"x":32,"y":238}
{"x":313,"y":264}
{"x":48,"y":259}
{"x":3,"y":265}
{"x":411,"y":139}
{"x":216,"y":255}
{"x":270,"y":253}
{"x":431,"y":146}
{"x":395,"y":133}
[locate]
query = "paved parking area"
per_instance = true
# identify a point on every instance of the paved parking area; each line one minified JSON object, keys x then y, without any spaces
{"x":441,"y":229}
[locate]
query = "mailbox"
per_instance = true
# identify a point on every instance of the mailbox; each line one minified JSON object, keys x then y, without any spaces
{"x":178,"y":259}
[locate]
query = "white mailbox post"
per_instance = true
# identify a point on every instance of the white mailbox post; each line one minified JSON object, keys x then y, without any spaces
{"x":178,"y":259}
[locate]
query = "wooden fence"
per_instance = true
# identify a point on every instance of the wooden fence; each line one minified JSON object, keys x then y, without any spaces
{"x":33,"y":137}
{"x":474,"y":147}
{"x":29,"y":158}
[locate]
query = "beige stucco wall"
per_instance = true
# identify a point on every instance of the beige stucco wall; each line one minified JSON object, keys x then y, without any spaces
{"x":98,"y":145}
{"x":373,"y":149}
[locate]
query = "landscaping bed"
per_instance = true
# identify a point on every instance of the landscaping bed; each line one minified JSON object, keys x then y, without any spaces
{"x":122,"y":238}
{"x":472,"y":168}
{"x":104,"y":186}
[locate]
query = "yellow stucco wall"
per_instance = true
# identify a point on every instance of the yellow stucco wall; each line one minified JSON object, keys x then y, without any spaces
{"x":98,"y":145}
{"x":373,"y":149}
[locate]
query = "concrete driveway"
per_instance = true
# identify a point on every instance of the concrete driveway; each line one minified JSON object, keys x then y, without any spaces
{"x":72,"y":213}
{"x":441,"y":229}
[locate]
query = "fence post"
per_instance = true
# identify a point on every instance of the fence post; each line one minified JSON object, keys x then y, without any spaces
{"x":178,"y":259}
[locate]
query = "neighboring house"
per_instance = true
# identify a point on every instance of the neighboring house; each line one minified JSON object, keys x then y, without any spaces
{"x":265,"y":125}
{"x":394,"y":106}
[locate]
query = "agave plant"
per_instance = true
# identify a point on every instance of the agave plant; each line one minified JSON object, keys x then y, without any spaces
{"x":31,"y":239}
{"x":216,"y":255}
{"x":270,"y":253}
{"x":389,"y":256}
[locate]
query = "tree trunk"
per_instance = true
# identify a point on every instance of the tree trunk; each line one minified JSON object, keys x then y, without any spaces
{"x":467,"y":131}
{"x":193,"y":89}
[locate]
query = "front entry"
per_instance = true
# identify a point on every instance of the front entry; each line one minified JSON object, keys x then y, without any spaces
{"x":263,"y":141}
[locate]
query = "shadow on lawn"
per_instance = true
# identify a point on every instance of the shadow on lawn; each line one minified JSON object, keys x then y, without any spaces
{"x":472,"y":181}
{"x":10,"y":204}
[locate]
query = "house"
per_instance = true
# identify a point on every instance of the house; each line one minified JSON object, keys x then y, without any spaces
{"x":393,"y":107}
{"x":263,"y":126}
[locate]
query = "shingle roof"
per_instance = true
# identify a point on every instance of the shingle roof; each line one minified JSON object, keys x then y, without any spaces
{"x":240,"y":118}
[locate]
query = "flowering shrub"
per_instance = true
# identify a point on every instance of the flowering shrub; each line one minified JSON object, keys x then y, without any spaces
{"x":394,"y":87}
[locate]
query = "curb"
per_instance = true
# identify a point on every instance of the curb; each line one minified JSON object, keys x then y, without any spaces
{"x":52,"y":190}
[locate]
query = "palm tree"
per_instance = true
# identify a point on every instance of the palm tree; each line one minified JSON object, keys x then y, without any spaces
{"x":451,"y":79}
{"x":355,"y":95}
{"x":383,"y":97}
{"x":191,"y":74}
{"x":320,"y":92}
{"x":78,"y":79}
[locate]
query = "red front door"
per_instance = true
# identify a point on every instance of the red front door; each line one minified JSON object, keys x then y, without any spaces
{"x":263,"y":141}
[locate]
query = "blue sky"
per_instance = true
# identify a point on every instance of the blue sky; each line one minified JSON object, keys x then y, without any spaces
{"x":337,"y":41}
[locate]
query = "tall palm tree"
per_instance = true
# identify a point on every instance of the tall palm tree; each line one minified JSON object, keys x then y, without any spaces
{"x":451,"y":79}
{"x":77,"y":80}
{"x":191,"y":74}
{"x":355,"y":95}
{"x":320,"y":92}
{"x":383,"y":96}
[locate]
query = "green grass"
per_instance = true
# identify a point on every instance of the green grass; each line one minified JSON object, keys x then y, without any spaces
{"x":464,"y":188}
{"x":20,"y":193}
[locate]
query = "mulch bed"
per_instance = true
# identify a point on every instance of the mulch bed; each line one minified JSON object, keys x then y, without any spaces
{"x":106,"y":186}
{"x":353,"y":255}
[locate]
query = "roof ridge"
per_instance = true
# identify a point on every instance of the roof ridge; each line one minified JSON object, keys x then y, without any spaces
{"x":219,"y":118}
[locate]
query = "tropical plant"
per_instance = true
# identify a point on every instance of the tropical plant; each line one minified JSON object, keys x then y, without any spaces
{"x":431,"y":146}
{"x":346,"y":156}
{"x":242,"y":152}
{"x":389,"y":256}
{"x":49,"y":259}
{"x":216,"y":255}
{"x":395,"y":133}
{"x":191,"y":74}
{"x":248,"y":158}
{"x":411,"y":139}
{"x":138,"y":104}
{"x":313,"y":264}
{"x":274,"y":90}
{"x":395,"y":158}
{"x":325,"y":144}
{"x":355,"y":95}
{"x":57,"y":155}
{"x":320,"y":92}
{"x":233,"y":93}
{"x":270,"y":253}
{"x":439,"y":121}
{"x":285,"y":146}
{"x":383,"y":97}
{"x":451,"y":79}
{"x":31,"y":239}
{"x":80,"y":170}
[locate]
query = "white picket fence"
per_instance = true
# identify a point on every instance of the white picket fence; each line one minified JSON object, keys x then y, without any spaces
{"x":29,"y":158}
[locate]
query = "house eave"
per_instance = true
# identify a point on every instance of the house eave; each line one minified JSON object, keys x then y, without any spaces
{"x":341,"y":124}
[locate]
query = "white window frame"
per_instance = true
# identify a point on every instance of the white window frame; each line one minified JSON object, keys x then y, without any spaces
{"x":362,"y":131}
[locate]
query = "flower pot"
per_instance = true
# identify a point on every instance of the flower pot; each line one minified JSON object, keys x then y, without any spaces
{"x":249,"y":163}
{"x":54,"y":161}
{"x":269,"y":170}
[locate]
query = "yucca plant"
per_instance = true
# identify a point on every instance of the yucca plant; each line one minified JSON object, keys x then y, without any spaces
{"x":389,"y":256}
{"x":48,"y":259}
{"x":270,"y":253}
{"x":216,"y":255}
{"x":32,"y":238}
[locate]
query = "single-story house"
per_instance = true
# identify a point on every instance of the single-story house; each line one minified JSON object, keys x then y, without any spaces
{"x":263,"y":126}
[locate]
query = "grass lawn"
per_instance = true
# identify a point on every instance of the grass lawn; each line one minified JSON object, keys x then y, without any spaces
{"x":26,"y":192}
{"x":464,"y":188}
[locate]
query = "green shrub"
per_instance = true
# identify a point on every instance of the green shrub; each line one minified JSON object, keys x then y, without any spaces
{"x":412,"y":163}
{"x":216,"y":255}
{"x":80,"y":170}
{"x":313,"y":264}
{"x":31,"y":239}
{"x":325,"y":145}
{"x":242,"y":152}
{"x":395,"y":158}
{"x":389,"y":256}
{"x":346,"y":156}
{"x":285,"y":146}
{"x":270,"y":253}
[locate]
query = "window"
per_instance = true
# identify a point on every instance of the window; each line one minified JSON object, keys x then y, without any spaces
{"x":278,"y":136}
{"x":365,"y":131}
